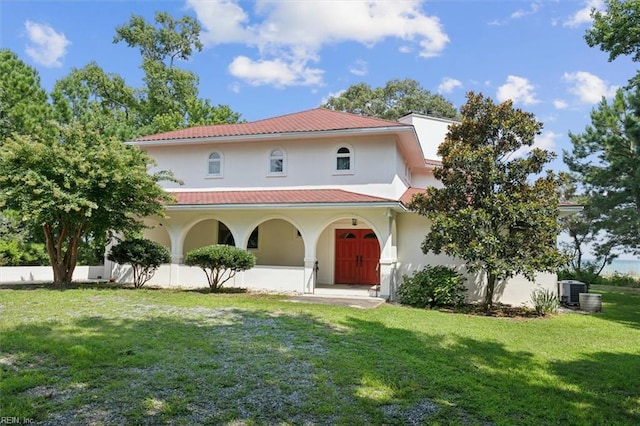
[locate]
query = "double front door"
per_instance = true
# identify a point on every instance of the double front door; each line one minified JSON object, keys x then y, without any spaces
{"x":357,"y":256}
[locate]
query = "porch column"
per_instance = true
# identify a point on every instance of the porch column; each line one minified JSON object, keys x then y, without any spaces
{"x":309,"y":275}
{"x":388,"y":279}
{"x":389,"y":259}
{"x":174,"y":270}
{"x":176,"y":236}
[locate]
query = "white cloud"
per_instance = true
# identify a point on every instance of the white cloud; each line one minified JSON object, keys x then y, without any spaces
{"x":289,"y":34}
{"x":234,"y":87}
{"x":560,"y":103}
{"x":587,"y":87}
{"x":46,"y":46}
{"x":359,"y":68}
{"x":533,"y":8}
{"x":274,"y":72}
{"x":448,"y":84}
{"x":546,"y":141}
{"x":518,"y":14}
{"x":583,"y":16}
{"x":518,"y":89}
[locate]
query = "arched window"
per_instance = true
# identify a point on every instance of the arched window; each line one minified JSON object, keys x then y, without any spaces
{"x":344,"y":159}
{"x":215,"y":164}
{"x":277,"y":162}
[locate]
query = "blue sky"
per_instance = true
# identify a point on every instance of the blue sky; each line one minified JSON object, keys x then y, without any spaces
{"x":267,"y":58}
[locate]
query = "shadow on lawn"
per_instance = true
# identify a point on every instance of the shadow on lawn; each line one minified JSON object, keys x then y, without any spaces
{"x":483,"y":382}
{"x":620,"y":307}
{"x":223,"y":365}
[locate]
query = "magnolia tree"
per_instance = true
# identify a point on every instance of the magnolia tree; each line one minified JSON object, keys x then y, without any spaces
{"x":220,"y":263}
{"x":144,"y":256}
{"x":496,"y":210}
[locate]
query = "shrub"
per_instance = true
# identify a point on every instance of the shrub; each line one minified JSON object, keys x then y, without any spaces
{"x":590,"y":277}
{"x":433,"y":286}
{"x":18,"y":253}
{"x":217,"y":260}
{"x":144,"y":256}
{"x":621,"y":281}
{"x":544,"y":301}
{"x":587,"y":275}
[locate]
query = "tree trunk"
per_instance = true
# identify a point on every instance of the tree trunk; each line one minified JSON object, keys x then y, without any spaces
{"x":63,"y":262}
{"x":491,"y":285}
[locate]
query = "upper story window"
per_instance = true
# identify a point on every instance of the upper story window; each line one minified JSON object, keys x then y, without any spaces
{"x":344,"y":160}
{"x":215,"y":165}
{"x":277,"y":162}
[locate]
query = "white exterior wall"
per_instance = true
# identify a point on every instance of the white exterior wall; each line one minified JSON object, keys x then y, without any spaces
{"x":307,"y":163}
{"x":423,"y":178}
{"x":26,"y":274}
{"x":431,"y":132}
{"x":516,"y":291}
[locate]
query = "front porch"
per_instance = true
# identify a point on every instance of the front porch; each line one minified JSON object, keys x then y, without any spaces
{"x":306,"y":251}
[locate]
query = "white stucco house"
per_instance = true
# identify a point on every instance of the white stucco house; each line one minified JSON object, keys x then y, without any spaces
{"x":318,"y":196}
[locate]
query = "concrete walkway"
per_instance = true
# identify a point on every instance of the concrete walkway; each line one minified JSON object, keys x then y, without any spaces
{"x":352,"y":302}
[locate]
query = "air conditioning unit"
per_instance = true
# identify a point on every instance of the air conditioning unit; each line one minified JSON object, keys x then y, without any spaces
{"x":570,"y":291}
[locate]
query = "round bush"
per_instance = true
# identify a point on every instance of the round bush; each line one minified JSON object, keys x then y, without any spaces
{"x":434,"y":286}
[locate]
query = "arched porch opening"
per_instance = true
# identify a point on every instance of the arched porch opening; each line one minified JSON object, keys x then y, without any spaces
{"x":158,"y":233}
{"x":348,"y":252}
{"x":276,"y":242}
{"x":205,"y":233}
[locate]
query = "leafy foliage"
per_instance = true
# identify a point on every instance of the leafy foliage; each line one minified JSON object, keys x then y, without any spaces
{"x":586,"y":239}
{"x":170,"y":98}
{"x":144,"y":256}
{"x":23,"y":101}
{"x":77,"y":183}
{"x":544,"y":301}
{"x":398,"y":98}
{"x":589,"y":277}
{"x":15,"y":252}
{"x":434,"y":286}
{"x":604,"y":159}
{"x":617,"y":30}
{"x":89,"y":95}
{"x":217,"y":260}
{"x":488,"y":213}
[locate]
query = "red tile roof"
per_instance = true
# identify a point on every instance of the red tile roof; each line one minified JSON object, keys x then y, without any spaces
{"x":314,"y":120}
{"x":302,"y":196}
{"x":408,"y":194}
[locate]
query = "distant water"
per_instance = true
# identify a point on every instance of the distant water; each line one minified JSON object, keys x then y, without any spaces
{"x":623,"y":267}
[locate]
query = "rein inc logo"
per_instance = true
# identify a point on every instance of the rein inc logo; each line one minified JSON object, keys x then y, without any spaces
{"x":16,"y":421}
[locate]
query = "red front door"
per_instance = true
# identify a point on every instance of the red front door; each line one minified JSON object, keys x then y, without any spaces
{"x":357,"y":256}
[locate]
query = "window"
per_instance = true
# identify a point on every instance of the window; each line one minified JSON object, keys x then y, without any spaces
{"x":253,"y":240}
{"x":344,"y":160}
{"x":276,"y":162}
{"x":224,"y":235}
{"x":215,"y":164}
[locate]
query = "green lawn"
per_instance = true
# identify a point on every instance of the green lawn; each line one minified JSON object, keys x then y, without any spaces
{"x":120,"y":356}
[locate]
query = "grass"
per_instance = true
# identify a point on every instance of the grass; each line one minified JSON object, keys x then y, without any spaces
{"x":120,"y":356}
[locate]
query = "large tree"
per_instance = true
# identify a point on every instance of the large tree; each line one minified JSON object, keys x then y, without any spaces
{"x":590,"y":247}
{"x":496,"y":211}
{"x":23,"y":101}
{"x":605,"y":160}
{"x":396,"y":99}
{"x":617,"y":30}
{"x":77,"y":182}
{"x":90,"y":95}
{"x":170,"y":97}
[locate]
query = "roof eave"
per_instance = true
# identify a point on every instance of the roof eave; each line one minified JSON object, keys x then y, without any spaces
{"x":267,"y":206}
{"x":270,"y":136}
